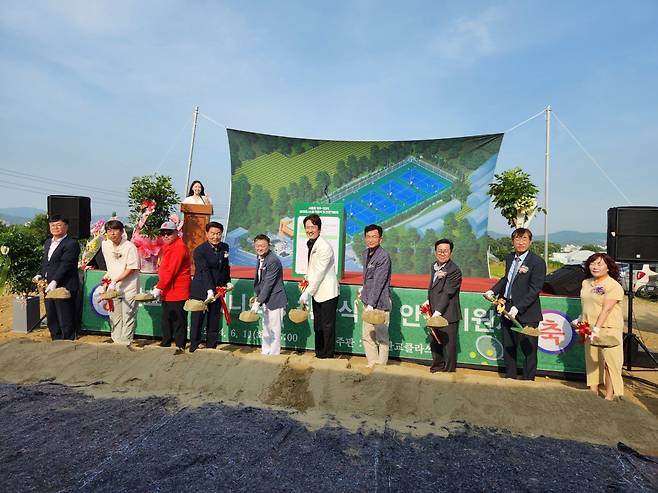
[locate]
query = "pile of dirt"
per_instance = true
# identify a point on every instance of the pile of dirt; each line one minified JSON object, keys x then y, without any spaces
{"x":403,"y":396}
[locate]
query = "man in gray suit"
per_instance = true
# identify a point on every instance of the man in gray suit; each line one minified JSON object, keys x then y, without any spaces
{"x":375,"y":294}
{"x":270,"y":294}
{"x":443,"y":295}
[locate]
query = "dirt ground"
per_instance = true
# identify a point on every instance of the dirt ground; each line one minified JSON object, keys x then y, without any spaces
{"x":338,"y":404}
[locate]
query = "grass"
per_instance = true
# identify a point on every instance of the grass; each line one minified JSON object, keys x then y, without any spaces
{"x":273,"y":171}
{"x":498,"y":268}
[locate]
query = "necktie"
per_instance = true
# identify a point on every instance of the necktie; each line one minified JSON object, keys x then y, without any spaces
{"x":437,"y":269}
{"x":515,"y":269}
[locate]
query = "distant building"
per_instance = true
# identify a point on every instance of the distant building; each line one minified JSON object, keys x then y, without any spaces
{"x":576,"y":257}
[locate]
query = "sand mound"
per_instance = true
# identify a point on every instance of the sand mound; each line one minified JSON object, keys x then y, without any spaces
{"x":401,"y":396}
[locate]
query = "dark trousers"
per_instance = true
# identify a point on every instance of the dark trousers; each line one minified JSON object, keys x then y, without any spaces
{"x":174,"y":323}
{"x":444,"y":355}
{"x":61,"y":317}
{"x":512,"y":339}
{"x":212,"y":317}
{"x":324,"y":325}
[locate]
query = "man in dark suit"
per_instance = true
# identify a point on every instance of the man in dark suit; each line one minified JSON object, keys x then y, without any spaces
{"x":443,"y":296}
{"x":524,"y":277}
{"x":59,"y":267}
{"x":212,"y":271}
{"x":270,"y":295}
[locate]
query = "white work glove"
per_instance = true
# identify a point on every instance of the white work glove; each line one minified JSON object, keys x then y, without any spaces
{"x":369,"y":308}
{"x":52,"y":285}
{"x":255,"y":306}
{"x":112,"y":286}
{"x":513,"y":312}
{"x":595,"y":332}
{"x":489,"y":294}
{"x":37,"y":278}
{"x":210,"y":294}
{"x":229,"y":286}
{"x":575,"y":322}
{"x":303,"y":299}
{"x":101,"y":289}
{"x":156,"y":292}
{"x":358,"y":293}
{"x":436,"y":313}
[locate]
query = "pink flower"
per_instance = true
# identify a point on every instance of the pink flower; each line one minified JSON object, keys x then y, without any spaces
{"x":146,"y":246}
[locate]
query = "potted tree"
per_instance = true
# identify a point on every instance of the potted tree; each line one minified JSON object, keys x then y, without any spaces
{"x":20,"y":254}
{"x":152,"y":199}
{"x":516,"y":197}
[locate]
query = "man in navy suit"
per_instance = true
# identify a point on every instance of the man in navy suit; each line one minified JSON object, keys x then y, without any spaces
{"x":212,"y":271}
{"x":524,"y":277}
{"x":59,"y":267}
{"x":443,"y":295}
{"x":270,"y":295}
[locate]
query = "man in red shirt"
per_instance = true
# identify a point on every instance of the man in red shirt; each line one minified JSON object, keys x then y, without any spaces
{"x":173,"y":287}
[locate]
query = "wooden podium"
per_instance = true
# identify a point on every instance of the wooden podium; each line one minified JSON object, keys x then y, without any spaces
{"x":195,"y":218}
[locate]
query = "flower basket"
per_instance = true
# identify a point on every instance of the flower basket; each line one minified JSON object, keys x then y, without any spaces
{"x":149,"y":251}
{"x":152,"y":200}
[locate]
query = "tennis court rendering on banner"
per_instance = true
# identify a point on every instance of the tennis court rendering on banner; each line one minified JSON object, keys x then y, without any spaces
{"x":391,"y":195}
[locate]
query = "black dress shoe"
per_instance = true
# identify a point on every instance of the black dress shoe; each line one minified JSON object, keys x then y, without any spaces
{"x":164,"y":344}
{"x":435,"y":369}
{"x":192,"y":349}
{"x":179,"y":350}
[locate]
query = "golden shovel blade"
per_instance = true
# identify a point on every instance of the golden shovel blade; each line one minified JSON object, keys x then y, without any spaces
{"x":248,"y":316}
{"x":58,"y":294}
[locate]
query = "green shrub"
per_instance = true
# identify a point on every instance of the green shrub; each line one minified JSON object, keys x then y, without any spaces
{"x":159,"y":189}
{"x":25,"y":253}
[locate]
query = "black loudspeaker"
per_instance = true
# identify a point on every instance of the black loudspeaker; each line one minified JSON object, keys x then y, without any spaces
{"x":633,"y":234}
{"x":76,"y":209}
{"x":565,"y":281}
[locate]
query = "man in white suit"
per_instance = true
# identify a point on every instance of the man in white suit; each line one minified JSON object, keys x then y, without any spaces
{"x":322,"y":287}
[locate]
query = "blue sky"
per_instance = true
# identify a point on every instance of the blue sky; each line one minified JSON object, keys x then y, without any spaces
{"x":93,"y":93}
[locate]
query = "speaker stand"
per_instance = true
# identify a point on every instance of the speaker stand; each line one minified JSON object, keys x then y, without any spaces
{"x":631,"y":339}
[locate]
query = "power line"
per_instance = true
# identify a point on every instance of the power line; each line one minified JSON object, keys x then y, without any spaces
{"x":23,"y":188}
{"x":18,"y":174}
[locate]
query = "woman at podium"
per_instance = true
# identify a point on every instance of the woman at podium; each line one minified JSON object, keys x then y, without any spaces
{"x":197,"y":195}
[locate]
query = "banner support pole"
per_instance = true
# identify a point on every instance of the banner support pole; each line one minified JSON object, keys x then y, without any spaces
{"x":547,"y":160}
{"x":189,"y":159}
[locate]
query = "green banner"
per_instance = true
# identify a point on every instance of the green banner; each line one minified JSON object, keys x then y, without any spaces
{"x":479,"y":342}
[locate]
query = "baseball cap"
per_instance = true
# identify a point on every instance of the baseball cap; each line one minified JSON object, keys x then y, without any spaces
{"x":168,"y":225}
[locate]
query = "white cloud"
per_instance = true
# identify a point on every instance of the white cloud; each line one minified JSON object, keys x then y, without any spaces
{"x":466,"y":39}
